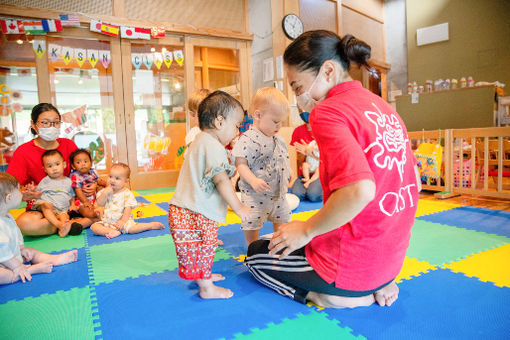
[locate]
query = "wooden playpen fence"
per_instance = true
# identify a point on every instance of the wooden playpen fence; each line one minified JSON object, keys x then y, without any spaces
{"x":468,"y":156}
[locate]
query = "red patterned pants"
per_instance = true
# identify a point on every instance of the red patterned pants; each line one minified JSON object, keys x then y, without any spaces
{"x":195,"y":238}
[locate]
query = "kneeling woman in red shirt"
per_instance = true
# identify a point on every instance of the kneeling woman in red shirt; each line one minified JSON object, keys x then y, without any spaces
{"x":349,"y":253}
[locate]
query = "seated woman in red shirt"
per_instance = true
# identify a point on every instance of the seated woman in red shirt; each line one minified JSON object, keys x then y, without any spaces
{"x":349,"y":253}
{"x":26,"y":165}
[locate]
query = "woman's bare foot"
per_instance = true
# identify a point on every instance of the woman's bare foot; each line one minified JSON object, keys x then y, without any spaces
{"x":63,"y":230}
{"x":333,"y":301}
{"x":112,"y":233}
{"x":64,"y":258}
{"x":387,"y":295}
{"x":156,"y":225}
{"x":44,"y":267}
{"x":219,"y":242}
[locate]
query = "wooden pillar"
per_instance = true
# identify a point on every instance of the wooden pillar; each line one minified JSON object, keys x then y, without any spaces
{"x":42,"y":70}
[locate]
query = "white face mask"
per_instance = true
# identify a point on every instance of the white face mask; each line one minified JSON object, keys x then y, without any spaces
{"x":49,"y":134}
{"x":305,"y":100}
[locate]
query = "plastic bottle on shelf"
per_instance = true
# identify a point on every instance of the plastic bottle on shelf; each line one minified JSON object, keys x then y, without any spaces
{"x":415,"y":87}
{"x":471,"y":82}
{"x":463,"y":82}
{"x":447,"y":84}
{"x":454,"y":83}
{"x":409,"y":88}
{"x":428,"y":86}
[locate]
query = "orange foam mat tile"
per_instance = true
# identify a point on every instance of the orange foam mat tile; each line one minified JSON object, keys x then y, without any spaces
{"x":426,"y":207}
{"x":488,"y":266}
{"x":413,"y":268}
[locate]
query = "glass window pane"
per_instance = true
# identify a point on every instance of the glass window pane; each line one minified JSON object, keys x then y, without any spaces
{"x":18,"y":93}
{"x":159,"y":101}
{"x":81,"y":87}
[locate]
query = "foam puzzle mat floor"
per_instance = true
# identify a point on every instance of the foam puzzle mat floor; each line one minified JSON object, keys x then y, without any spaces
{"x":455,"y":284}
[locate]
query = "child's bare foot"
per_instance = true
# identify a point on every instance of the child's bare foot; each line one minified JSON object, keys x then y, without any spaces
{"x":387,"y":295}
{"x":63,"y":230}
{"x":64,"y":258}
{"x":44,"y":267}
{"x":219,"y":242}
{"x":215,"y":292}
{"x":156,"y":225}
{"x":113,"y":233}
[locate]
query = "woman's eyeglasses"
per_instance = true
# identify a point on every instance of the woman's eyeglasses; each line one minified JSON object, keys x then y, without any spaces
{"x":47,"y":123}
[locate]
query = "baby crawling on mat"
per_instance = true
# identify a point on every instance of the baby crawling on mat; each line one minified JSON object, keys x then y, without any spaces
{"x":13,"y":252}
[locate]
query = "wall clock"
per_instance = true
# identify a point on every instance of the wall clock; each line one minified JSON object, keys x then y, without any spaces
{"x":292,"y":26}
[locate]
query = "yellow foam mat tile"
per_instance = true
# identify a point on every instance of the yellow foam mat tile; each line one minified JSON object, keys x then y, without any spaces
{"x":413,"y":267}
{"x":16,"y":212}
{"x":426,"y":207}
{"x":159,"y":198}
{"x":232,"y":218}
{"x":303,"y":216}
{"x":147,"y":210}
{"x":488,"y":266}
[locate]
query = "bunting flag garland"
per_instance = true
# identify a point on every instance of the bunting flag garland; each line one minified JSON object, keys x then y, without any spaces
{"x":168,"y":58}
{"x":12,"y":27}
{"x":52,"y":25}
{"x":39,"y":47}
{"x":109,"y":29}
{"x":80,"y":55}
{"x":95,"y":25}
{"x":158,"y":32}
{"x":158,"y":60}
{"x":104,"y":56}
{"x":143,"y":33}
{"x":179,"y":57}
{"x":54,"y":51}
{"x":136,"y":59}
{"x":93,"y":57}
{"x":147,"y":60}
{"x":70,"y":20}
{"x":127,"y":32}
{"x":67,"y":54}
{"x":33,"y":27}
{"x":69,"y":129}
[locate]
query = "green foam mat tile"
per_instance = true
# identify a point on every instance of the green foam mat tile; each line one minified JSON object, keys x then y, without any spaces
{"x":130,"y":259}
{"x":309,"y":326}
{"x":62,"y":315}
{"x":440,"y":244}
{"x":163,"y":190}
{"x":55,"y":243}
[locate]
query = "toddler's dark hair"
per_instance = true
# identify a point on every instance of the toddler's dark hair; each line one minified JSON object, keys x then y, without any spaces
{"x":49,"y":153}
{"x":41,"y":108}
{"x":313,"y":48}
{"x":8,"y":183}
{"x":216,"y":104}
{"x":77,"y":152}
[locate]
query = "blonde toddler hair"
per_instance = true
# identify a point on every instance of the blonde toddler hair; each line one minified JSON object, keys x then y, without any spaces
{"x":123,"y":166}
{"x":195,"y":99}
{"x":8,"y":183}
{"x":266,"y":98}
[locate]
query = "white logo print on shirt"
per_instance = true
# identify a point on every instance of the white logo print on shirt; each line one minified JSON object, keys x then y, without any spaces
{"x":390,"y":144}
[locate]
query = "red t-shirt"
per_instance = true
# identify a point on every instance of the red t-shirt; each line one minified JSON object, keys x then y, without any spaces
{"x":361,"y":137}
{"x":301,"y":132}
{"x":26,"y":163}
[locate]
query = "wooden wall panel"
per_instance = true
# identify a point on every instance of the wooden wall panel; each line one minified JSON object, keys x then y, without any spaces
{"x":318,"y":14}
{"x":364,"y":28}
{"x":225,"y":14}
{"x":371,"y":8}
{"x":85,"y":6}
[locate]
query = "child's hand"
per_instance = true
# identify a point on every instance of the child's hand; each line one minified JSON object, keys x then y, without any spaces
{"x":26,"y":254}
{"x":259,"y":185}
{"x":307,"y":184}
{"x":108,"y":189}
{"x":88,"y":205}
{"x":304,"y":179}
{"x":118,"y":225}
{"x":23,"y":273}
{"x":98,"y":212}
{"x":243,"y":212}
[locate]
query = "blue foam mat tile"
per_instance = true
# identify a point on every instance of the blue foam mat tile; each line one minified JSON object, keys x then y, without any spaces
{"x":94,"y":240}
{"x":165,"y":306}
{"x":141,"y":199}
{"x":485,"y":220}
{"x":437,"y":305}
{"x":233,"y":237}
{"x":163,"y":205}
{"x":64,"y":277}
{"x":307,"y":206}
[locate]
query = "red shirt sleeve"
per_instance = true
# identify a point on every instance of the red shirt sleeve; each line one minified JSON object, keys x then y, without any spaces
{"x":343,"y":160}
{"x":17,"y":167}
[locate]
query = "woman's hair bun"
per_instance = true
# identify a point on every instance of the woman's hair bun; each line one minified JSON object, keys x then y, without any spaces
{"x":354,"y":50}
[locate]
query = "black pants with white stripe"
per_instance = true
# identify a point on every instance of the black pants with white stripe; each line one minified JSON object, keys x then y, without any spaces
{"x":292,"y":276}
